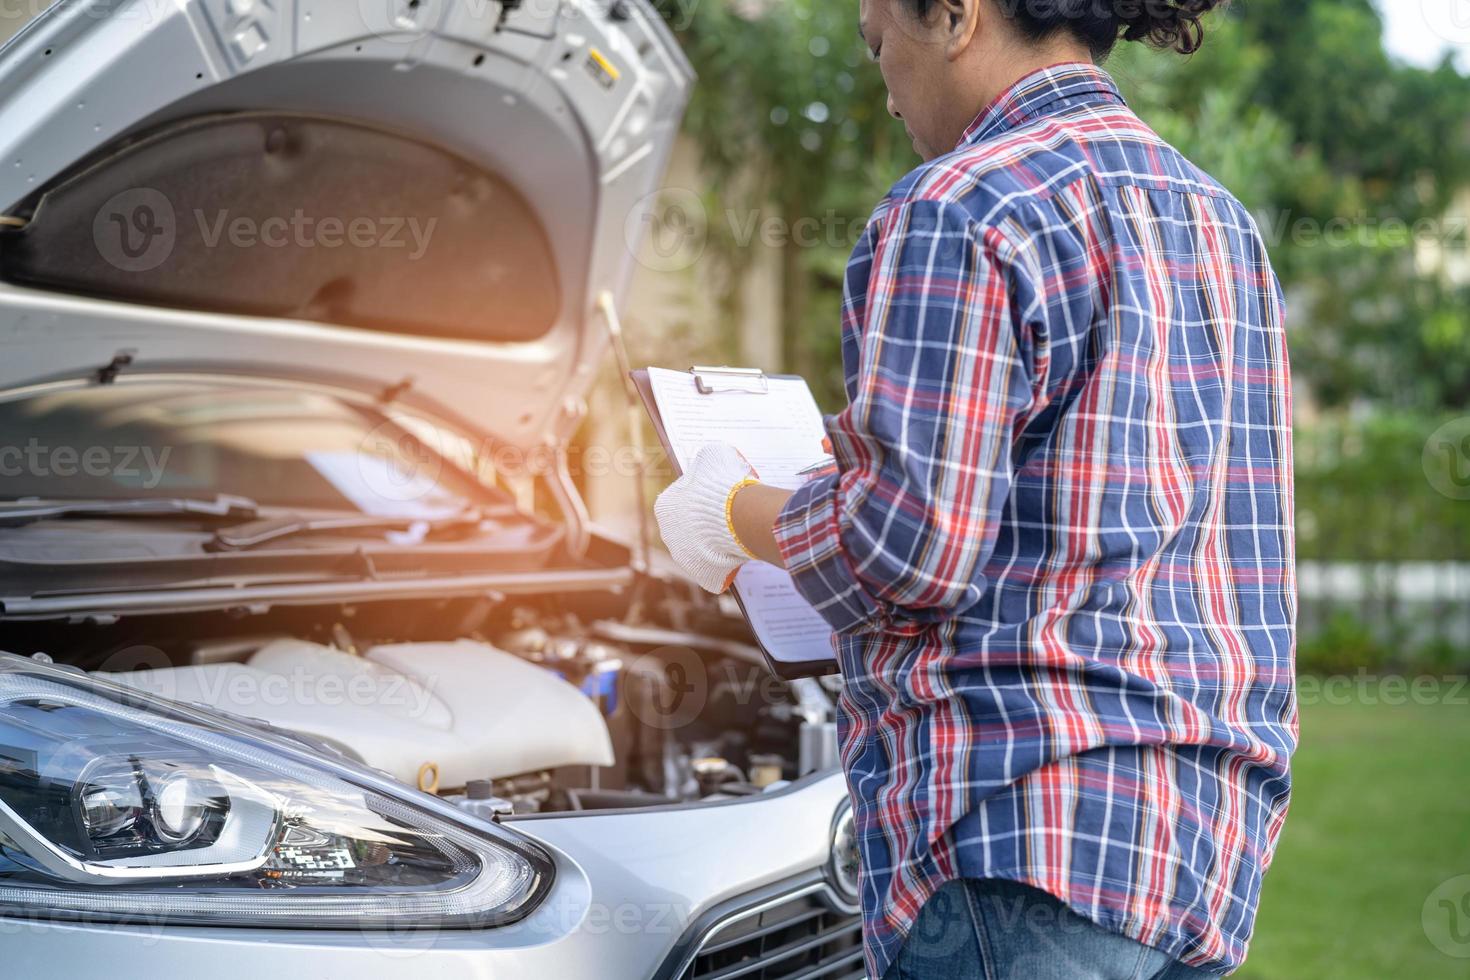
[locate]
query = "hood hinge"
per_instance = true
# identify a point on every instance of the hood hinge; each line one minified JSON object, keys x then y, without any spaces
{"x":395,"y":391}
{"x":120,"y":360}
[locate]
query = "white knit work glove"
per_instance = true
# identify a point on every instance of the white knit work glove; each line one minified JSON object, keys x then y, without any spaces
{"x":694,"y":516}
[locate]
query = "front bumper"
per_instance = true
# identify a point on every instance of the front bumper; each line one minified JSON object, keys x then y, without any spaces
{"x":633,"y":891}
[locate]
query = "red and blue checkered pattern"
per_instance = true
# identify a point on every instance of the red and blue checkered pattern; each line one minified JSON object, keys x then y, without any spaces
{"x":1059,"y":548}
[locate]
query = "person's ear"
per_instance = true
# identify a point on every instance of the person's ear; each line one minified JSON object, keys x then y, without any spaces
{"x":960,"y":21}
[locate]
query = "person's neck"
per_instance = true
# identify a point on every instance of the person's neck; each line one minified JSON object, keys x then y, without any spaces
{"x":997,"y":75}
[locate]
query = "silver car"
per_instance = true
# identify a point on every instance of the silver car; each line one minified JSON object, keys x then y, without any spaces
{"x":317,"y":666}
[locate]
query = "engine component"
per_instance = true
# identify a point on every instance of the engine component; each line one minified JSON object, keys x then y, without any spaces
{"x":765,"y":769}
{"x":818,"y":747}
{"x":472,"y":710}
{"x":713,"y":773}
{"x":479,"y":798}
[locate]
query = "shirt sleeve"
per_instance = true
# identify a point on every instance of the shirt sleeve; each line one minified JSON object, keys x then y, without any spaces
{"x":897,"y":538}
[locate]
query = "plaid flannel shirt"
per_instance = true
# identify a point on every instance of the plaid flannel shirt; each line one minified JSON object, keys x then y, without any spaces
{"x":1058,"y":551}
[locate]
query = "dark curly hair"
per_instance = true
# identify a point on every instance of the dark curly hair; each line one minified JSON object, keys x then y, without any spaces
{"x":1101,"y":23}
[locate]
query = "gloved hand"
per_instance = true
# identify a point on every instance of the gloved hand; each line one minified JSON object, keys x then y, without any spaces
{"x":695,"y":520}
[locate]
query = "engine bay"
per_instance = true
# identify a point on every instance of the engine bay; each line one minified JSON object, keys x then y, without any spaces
{"x":504,"y":707}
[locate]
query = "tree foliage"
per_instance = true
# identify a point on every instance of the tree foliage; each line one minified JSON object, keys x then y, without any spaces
{"x":1354,"y":165}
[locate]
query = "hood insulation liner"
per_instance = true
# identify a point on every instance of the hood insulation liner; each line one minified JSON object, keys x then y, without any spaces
{"x":294,"y":216}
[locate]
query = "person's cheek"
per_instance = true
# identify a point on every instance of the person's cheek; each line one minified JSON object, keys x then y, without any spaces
{"x":930,"y":96}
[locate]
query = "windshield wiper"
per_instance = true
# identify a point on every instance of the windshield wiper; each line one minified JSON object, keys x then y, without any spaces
{"x":21,"y":513}
{"x":242,"y":537}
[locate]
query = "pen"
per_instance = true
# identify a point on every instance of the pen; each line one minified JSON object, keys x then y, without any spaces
{"x":818,"y":466}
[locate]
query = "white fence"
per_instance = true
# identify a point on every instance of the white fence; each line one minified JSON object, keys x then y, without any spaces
{"x":1407,"y":602}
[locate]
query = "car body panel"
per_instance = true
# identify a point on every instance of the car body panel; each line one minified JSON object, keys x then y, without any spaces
{"x":522,"y":93}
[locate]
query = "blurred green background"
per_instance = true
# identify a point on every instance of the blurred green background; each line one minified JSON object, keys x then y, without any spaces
{"x":1357,"y":166}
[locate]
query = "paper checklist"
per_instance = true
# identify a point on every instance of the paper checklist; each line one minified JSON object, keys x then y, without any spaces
{"x":776,"y":424}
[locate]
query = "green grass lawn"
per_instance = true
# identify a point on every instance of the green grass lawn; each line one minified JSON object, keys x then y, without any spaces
{"x":1380,"y":817}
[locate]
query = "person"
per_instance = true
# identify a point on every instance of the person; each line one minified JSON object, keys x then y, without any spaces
{"x":1057,"y":551}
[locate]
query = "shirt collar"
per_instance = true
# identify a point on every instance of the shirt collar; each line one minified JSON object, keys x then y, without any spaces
{"x":1042,"y":93}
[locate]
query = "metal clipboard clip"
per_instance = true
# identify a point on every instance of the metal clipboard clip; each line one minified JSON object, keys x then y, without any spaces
{"x":709,"y":380}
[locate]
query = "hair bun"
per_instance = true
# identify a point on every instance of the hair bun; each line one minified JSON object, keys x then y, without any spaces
{"x":1100,"y":23}
{"x":1165,"y":23}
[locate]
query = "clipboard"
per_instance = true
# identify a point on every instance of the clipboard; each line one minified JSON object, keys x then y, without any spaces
{"x":711,"y":381}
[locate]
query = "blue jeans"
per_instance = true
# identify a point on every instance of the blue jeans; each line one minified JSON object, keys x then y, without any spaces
{"x":999,"y":930}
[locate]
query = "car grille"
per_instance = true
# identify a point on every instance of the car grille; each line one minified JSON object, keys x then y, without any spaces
{"x":800,"y":937}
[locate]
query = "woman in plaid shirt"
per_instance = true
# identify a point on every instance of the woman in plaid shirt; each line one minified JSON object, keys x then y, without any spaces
{"x":1058,"y":546}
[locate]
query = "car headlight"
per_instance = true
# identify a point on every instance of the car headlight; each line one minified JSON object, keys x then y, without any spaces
{"x":843,"y":867}
{"x":118,"y":805}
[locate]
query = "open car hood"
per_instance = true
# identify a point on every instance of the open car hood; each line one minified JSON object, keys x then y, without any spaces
{"x":424,"y":192}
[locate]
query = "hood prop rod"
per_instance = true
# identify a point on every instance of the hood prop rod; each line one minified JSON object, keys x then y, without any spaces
{"x":608,"y":307}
